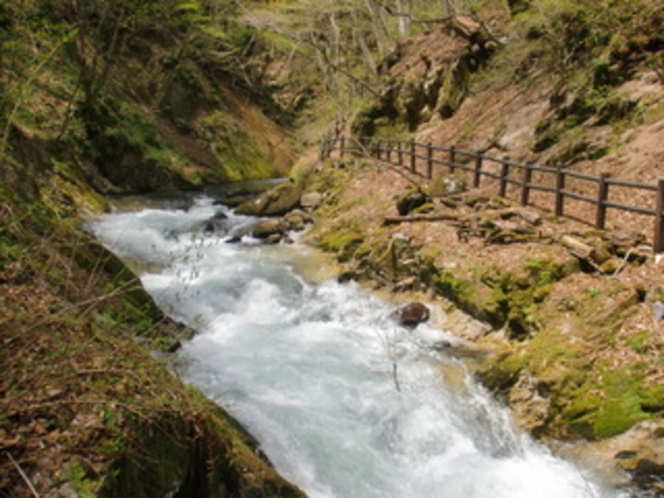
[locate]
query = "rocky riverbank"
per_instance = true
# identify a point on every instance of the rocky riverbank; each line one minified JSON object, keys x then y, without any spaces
{"x":571,"y":344}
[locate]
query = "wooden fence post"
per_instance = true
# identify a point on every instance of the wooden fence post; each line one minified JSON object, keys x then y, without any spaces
{"x":525,"y":183}
{"x":504,"y":174}
{"x":560,"y":187}
{"x":478,"y":170}
{"x":379,"y":148}
{"x":658,"y":243}
{"x":602,"y":197}
{"x":413,"y":159}
{"x":388,"y":151}
{"x":452,"y":159}
{"x":400,"y":152}
{"x":429,"y":161}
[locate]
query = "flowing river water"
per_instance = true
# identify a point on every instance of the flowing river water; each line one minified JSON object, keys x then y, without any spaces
{"x":345,"y":403}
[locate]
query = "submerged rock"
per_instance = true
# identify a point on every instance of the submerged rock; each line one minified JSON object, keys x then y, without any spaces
{"x":218,"y":223}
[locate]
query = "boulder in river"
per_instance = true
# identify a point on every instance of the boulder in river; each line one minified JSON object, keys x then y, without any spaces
{"x":275,"y":202}
{"x":269,"y":228}
{"x":411,"y":314}
{"x":218,"y":223}
{"x":297,"y":220}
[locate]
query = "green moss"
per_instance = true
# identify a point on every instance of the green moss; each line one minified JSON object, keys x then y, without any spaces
{"x":608,"y":402}
{"x":79,"y":480}
{"x":652,"y":398}
{"x":638,"y":341}
{"x":499,"y":376}
{"x":622,"y":404}
{"x":344,"y":242}
{"x":476,"y":298}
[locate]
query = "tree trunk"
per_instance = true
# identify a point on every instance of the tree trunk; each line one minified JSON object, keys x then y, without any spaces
{"x":404,"y":12}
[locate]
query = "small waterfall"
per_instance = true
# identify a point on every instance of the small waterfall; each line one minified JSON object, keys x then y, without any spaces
{"x":309,"y":369}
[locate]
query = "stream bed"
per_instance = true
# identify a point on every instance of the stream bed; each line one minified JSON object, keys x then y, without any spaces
{"x":345,"y":403}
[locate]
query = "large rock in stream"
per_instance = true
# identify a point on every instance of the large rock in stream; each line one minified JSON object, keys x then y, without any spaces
{"x":411,"y":314}
{"x":277,"y":201}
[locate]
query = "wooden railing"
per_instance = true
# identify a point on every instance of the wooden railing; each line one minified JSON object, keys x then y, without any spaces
{"x":421,"y":159}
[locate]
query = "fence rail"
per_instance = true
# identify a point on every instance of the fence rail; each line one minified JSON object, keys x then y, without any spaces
{"x":411,"y":155}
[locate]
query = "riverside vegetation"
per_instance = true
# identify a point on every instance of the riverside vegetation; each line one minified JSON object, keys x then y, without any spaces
{"x":122,"y":97}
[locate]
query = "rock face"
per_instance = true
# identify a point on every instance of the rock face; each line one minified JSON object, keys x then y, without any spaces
{"x":275,"y":202}
{"x":411,"y":314}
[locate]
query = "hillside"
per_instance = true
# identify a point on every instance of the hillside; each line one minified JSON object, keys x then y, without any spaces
{"x":104,"y":98}
{"x":574,"y":349}
{"x":97,"y":99}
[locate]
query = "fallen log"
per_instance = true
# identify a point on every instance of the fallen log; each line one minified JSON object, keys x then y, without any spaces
{"x":578,"y":248}
{"x":395,"y":220}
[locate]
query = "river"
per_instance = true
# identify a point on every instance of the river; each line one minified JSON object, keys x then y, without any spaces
{"x":345,"y":403}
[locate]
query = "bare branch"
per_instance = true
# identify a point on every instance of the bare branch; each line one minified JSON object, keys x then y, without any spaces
{"x":23,"y":476}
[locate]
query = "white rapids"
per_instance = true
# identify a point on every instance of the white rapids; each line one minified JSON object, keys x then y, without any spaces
{"x":309,"y":370}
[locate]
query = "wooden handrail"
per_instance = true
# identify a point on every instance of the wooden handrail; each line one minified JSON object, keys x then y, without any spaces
{"x":408,"y":156}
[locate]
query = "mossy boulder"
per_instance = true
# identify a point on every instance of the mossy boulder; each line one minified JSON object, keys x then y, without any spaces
{"x":448,"y":185}
{"x":276,"y":201}
{"x":268,"y":228}
{"x":411,"y":200}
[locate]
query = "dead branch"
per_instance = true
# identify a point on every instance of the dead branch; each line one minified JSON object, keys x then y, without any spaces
{"x":23,"y":476}
{"x":395,"y":220}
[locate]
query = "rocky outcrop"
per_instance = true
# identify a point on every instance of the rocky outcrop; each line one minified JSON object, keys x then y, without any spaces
{"x":428,"y":80}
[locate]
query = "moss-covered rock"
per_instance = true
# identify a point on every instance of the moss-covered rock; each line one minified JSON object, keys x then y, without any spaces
{"x":411,"y":201}
{"x":277,"y":201}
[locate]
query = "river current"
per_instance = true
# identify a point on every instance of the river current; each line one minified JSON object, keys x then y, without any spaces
{"x":345,"y":403}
